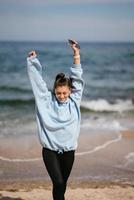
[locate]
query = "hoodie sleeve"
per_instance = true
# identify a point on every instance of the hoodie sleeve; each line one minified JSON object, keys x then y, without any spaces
{"x":77,"y":82}
{"x":35,"y":75}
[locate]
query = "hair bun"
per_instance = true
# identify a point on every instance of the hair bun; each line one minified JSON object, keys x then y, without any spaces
{"x":60,"y":76}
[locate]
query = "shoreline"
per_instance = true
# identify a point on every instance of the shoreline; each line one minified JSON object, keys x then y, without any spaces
{"x":100,"y":156}
{"x":105,"y":174}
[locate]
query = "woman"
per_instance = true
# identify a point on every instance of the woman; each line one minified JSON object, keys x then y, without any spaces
{"x":58,"y":118}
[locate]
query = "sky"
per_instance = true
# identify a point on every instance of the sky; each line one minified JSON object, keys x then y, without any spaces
{"x":57,"y":20}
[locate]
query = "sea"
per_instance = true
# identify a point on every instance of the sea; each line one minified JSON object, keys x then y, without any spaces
{"x":108,"y":73}
{"x":107,"y":108}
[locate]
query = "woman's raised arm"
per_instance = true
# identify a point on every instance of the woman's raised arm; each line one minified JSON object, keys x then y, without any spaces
{"x":39,"y":87}
{"x":76,"y":73}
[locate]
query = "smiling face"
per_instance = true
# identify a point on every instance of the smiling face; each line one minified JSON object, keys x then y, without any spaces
{"x":62,"y":93}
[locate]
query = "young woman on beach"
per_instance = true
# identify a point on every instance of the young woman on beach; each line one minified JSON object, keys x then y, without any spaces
{"x":58,"y":118}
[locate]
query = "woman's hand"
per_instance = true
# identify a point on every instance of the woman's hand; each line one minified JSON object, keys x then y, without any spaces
{"x":32,"y":54}
{"x":75,"y":49}
{"x":74,"y":45}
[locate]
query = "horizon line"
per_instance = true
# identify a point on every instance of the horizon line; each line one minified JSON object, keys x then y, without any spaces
{"x":63,"y":41}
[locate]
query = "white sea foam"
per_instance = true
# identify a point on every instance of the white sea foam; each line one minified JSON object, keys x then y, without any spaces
{"x":102,"y":105}
{"x":102,"y":124}
{"x":19,"y":159}
{"x":127,"y":162}
{"x":129,"y":159}
{"x":119,"y":137}
{"x":77,"y":154}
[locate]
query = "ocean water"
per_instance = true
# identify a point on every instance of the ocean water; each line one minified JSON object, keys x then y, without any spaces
{"x":108,"y":98}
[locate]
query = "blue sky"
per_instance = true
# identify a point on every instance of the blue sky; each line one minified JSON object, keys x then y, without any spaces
{"x":57,"y":20}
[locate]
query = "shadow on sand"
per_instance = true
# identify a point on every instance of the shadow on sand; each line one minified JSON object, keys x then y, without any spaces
{"x":9,"y":198}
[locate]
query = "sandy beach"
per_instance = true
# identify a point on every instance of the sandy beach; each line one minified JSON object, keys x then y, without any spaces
{"x":102,"y":170}
{"x":81,"y":191}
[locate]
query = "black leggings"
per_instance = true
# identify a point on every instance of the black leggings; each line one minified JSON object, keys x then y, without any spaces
{"x":59,"y":166}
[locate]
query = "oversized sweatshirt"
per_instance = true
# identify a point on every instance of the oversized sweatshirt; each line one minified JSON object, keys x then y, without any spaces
{"x":58,"y":122}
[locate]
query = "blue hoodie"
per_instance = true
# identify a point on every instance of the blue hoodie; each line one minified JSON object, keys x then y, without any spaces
{"x":58,"y":122}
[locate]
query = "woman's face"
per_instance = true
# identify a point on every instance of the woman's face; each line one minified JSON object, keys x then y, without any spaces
{"x":62,"y":93}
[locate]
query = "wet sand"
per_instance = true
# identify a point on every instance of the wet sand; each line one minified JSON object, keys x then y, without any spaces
{"x":100,"y":156}
{"x":103,"y":168}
